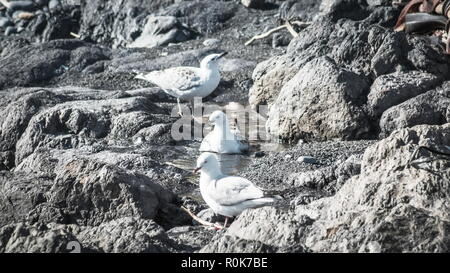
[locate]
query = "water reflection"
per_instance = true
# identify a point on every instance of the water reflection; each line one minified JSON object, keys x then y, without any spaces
{"x":248,"y":126}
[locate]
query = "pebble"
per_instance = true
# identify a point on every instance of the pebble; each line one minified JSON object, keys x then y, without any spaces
{"x":211,"y":42}
{"x":22,"y":6}
{"x":41,"y":2}
{"x":53,"y":4}
{"x":252,"y":3}
{"x":260,"y":154}
{"x":5,"y":22}
{"x":10,"y":30}
{"x":307,"y":159}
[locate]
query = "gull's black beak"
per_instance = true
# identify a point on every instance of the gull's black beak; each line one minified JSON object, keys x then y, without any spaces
{"x":196,"y":170}
{"x":222,"y":54}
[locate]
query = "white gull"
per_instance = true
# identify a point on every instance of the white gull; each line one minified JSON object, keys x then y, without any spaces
{"x":228,"y":195}
{"x":186,"y":82}
{"x":222,"y":139}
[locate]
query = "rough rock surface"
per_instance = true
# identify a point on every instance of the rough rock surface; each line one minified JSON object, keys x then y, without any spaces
{"x":88,"y":162}
{"x":392,"y":206}
{"x":361,"y":41}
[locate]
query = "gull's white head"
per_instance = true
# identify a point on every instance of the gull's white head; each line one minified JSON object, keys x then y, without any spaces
{"x":212,"y":60}
{"x":218,"y":118}
{"x":207,"y":162}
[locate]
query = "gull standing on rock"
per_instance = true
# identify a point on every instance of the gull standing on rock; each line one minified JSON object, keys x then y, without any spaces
{"x":221,"y":139}
{"x":228,"y":195}
{"x":185,"y":82}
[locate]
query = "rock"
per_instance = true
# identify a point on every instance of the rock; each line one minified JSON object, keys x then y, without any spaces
{"x":233,"y":244}
{"x":45,"y":61}
{"x":156,"y":134}
{"x":53,"y":4}
{"x":328,"y":180}
{"x":21,"y":5}
{"x":191,"y":238}
{"x":234,"y":65}
{"x":20,"y":195}
{"x":253,"y":3}
{"x":365,"y":46}
{"x":10,"y":30}
{"x":307,"y":159}
{"x":391,"y":206}
{"x":212,"y":43}
{"x":22,"y":238}
{"x":136,"y":62}
{"x":305,"y":10}
{"x":205,"y":17}
{"x":5,"y":22}
{"x":162,"y":30}
{"x":126,"y":235}
{"x":259,"y":154}
{"x":429,"y":108}
{"x":327,"y":97}
{"x":80,"y":123}
{"x":209,"y":216}
{"x":116,"y":23}
{"x":273,"y":171}
{"x":392,"y":89}
{"x":15,"y":115}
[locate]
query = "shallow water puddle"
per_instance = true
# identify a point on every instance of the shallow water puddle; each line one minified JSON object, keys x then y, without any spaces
{"x":249,"y":123}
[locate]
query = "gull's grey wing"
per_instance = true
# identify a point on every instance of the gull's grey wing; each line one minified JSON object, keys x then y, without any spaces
{"x":233,"y":190}
{"x":176,"y":78}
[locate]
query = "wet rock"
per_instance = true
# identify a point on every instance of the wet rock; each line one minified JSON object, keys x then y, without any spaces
{"x":162,"y":30}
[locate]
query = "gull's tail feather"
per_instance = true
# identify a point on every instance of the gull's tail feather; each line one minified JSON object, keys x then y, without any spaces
{"x":275,"y":194}
{"x":140,"y":76}
{"x":261,"y":202}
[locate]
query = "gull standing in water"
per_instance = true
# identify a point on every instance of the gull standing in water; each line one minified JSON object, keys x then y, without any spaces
{"x":221,"y":139}
{"x":186,"y":82}
{"x":228,"y":195}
